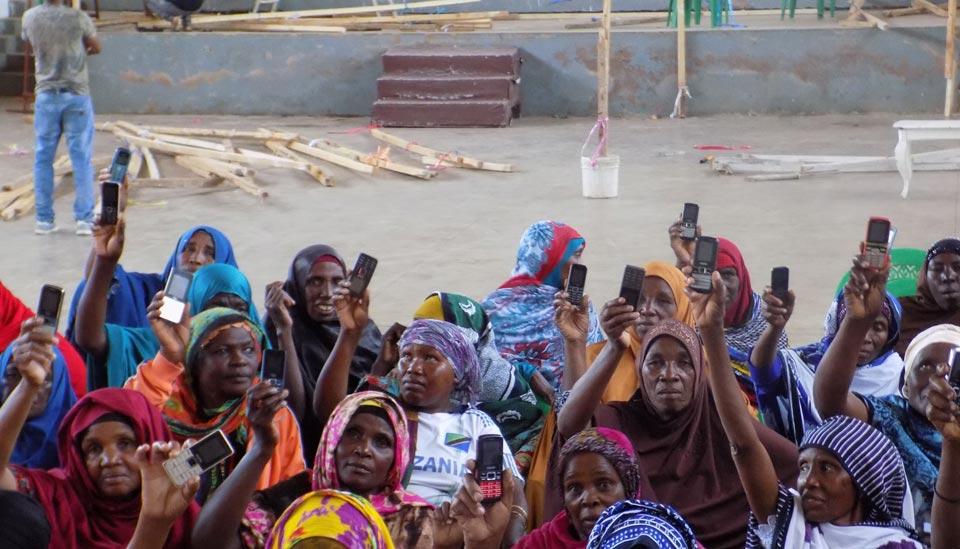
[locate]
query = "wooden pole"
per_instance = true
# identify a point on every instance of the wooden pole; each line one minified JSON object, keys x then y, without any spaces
{"x":603,"y":76}
{"x":950,"y":61}
{"x":681,"y":110}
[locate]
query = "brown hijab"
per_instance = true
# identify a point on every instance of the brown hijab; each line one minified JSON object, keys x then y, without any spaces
{"x":685,"y":462}
{"x":921,"y":311}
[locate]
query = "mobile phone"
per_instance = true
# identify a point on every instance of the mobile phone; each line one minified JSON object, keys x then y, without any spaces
{"x":118,"y":168}
{"x":199,"y":458}
{"x":954,"y":378}
{"x":631,"y":288}
{"x":576,"y":279}
{"x":489,"y":471}
{"x":780,"y":282}
{"x":272,"y":368}
{"x":51,"y":301}
{"x":704,"y":263}
{"x":109,"y":202}
{"x":175,"y":295}
{"x":362,"y":273}
{"x":875,"y":246}
{"x":688,"y":221}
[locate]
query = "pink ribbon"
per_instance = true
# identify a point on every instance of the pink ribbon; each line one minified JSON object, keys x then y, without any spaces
{"x":601,"y":127}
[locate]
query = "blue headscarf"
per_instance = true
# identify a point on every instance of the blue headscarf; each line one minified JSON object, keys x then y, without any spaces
{"x":222,"y":249}
{"x":641,"y":523}
{"x":812,"y":354}
{"x":36,"y":446}
{"x":218,"y":278}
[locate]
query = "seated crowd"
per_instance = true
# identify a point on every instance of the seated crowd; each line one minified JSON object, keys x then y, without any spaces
{"x":687,"y":421}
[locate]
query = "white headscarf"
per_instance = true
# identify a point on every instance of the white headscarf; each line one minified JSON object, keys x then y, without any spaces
{"x":941,"y":333}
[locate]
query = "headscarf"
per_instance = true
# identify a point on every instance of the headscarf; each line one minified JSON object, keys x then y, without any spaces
{"x":84,"y":518}
{"x":521,"y":310}
{"x":325,"y":476}
{"x":22,"y":521}
{"x":921,"y":311}
{"x":314,"y":340}
{"x":614,"y":446}
{"x":641,"y":523}
{"x":220,"y":278}
{"x":872,"y":462}
{"x":131,"y":293}
{"x":37,"y":443}
{"x":328,"y":514}
{"x":677,"y":282}
{"x":12,"y":315}
{"x":941,"y":333}
{"x":685,"y":462}
{"x":728,"y":255}
{"x":452,"y":342}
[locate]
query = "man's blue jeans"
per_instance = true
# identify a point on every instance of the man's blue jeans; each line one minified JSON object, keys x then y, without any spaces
{"x":57,"y":113}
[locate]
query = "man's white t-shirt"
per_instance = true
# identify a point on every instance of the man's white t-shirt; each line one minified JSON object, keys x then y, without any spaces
{"x":444,"y":444}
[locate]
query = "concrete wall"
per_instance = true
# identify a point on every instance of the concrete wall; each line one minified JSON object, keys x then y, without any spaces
{"x":729,"y":71}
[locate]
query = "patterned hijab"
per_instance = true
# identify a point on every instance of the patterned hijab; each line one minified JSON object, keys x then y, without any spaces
{"x":454,"y":344}
{"x":329,"y":514}
{"x":393,"y":496}
{"x":638,"y":523}
{"x":545,"y":248}
{"x":614,"y":446}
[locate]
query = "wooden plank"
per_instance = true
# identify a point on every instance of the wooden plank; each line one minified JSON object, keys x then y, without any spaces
{"x":207,"y":167}
{"x":179,"y":182}
{"x":280,"y":149}
{"x":330,"y":157}
{"x":326,"y":12}
{"x":455,"y":159}
{"x":931,"y":7}
{"x":152,"y":169}
{"x":259,"y":135}
{"x":375,"y":159}
{"x":189,"y":141}
{"x":617,"y":22}
{"x":136,"y":163}
{"x":603,"y":76}
{"x":170,"y":148}
{"x":279,"y":27}
{"x":950,"y":59}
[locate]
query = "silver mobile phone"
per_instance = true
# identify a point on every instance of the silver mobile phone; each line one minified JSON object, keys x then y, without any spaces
{"x":199,"y":458}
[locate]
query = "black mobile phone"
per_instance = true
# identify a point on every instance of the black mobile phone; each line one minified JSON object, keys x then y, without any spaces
{"x":201,"y":457}
{"x":704,"y":263}
{"x":362,"y":273}
{"x":876,"y":245}
{"x":175,"y":295}
{"x":780,"y":282}
{"x":954,"y":378}
{"x":688,"y":221}
{"x":272,"y":368}
{"x":109,"y":203}
{"x":48,"y":309}
{"x":631,"y":288}
{"x":118,"y":168}
{"x":576,"y":279}
{"x":489,"y":473}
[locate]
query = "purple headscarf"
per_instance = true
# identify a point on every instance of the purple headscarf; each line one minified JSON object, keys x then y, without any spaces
{"x":454,"y":344}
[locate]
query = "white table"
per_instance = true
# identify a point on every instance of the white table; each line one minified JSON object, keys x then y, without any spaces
{"x":919,"y":130}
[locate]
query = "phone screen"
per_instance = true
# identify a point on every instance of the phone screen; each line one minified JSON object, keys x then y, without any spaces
{"x":50,"y":299}
{"x":706,"y":251}
{"x":178,"y":286}
{"x":211,"y":450}
{"x":118,"y":169}
{"x":690,"y":212}
{"x":954,"y":362}
{"x":578,"y":276}
{"x":273,"y":367}
{"x":490,"y":454}
{"x":878,"y":231}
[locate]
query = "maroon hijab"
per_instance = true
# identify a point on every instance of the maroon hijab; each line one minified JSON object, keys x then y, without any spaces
{"x":685,"y":462}
{"x":82,"y":518}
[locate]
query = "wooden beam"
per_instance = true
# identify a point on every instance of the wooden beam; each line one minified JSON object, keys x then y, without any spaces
{"x":259,"y":135}
{"x":279,"y":27}
{"x":375,"y":159}
{"x":950,"y":59}
{"x":603,"y":75}
{"x":326,"y":12}
{"x":618,"y":22}
{"x":330,"y":157}
{"x":208,"y":167}
{"x":136,"y":163}
{"x":179,"y":182}
{"x":454,"y":159}
{"x":152,"y":169}
{"x":170,"y":148}
{"x":280,"y":149}
{"x":931,"y":7}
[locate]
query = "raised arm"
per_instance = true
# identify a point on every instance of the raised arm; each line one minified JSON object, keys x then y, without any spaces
{"x":575,"y":415}
{"x":863,"y":297}
{"x":155,"y":378}
{"x":943,"y":412}
{"x":332,"y":383}
{"x":278,"y":303}
{"x":219,"y":521}
{"x":92,"y":309}
{"x":161,"y":501}
{"x":777,"y":313}
{"x":682,"y":249}
{"x":757,"y":474}
{"x":573,"y":323}
{"x":33,"y":357}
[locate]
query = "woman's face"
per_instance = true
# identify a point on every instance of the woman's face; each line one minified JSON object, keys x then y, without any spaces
{"x":565,"y":270}
{"x":874,"y":341}
{"x":943,"y":279}
{"x":108,"y":451}
{"x":731,"y":284}
{"x":364,"y":455}
{"x":656,"y":305}
{"x":228,"y":300}
{"x":668,"y":376}
{"x":227,"y":365}
{"x":590,"y":485}
{"x":199,"y":251}
{"x":11,"y":378}
{"x":318,"y":290}
{"x":426,"y":378}
{"x":917,"y":383}
{"x":827,"y":492}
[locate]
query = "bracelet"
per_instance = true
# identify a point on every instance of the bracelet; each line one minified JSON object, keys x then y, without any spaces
{"x":519,"y":511}
{"x":939,"y":495}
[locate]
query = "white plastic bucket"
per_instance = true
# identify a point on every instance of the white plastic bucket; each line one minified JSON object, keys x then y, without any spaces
{"x":602,"y":180}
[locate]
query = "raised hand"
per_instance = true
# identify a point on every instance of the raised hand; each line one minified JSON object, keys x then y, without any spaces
{"x":33,"y":352}
{"x":104,"y":175}
{"x":161,"y":499}
{"x":263,"y":402}
{"x":278,"y":303}
{"x":482,"y":524}
{"x":173,"y":338}
{"x":108,"y":240}
{"x":942,"y":410}
{"x":615,"y":317}
{"x":353,"y":312}
{"x":572,"y":321}
{"x":390,"y":346}
{"x":864,"y":293}
{"x":682,"y":249}
{"x":777,"y":312}
{"x":708,"y":309}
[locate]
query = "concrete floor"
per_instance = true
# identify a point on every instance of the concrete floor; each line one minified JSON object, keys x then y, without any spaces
{"x":459,"y":232}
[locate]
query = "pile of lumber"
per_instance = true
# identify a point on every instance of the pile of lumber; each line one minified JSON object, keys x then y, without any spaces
{"x":776,"y":167}
{"x":17,"y":198}
{"x":341,"y":20}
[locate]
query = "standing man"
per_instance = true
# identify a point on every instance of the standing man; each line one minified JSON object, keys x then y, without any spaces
{"x":61,"y":38}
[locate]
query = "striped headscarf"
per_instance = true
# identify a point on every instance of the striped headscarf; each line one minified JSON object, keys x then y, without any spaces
{"x":456,"y":346}
{"x":640,"y":523}
{"x":874,"y":464}
{"x":614,"y":446}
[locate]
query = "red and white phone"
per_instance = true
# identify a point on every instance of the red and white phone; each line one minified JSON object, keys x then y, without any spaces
{"x":489,"y":471}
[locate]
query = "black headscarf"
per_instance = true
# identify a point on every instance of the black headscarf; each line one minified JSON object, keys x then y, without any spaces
{"x":314,"y":340}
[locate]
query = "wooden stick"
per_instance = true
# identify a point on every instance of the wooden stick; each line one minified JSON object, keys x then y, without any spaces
{"x":170,"y":148}
{"x":208,"y":167}
{"x":617,"y":22}
{"x":896,"y":12}
{"x":326,"y":12}
{"x":375,"y":160}
{"x":280,"y":149}
{"x":452,"y":158}
{"x":152,"y":169}
{"x":136,"y":163}
{"x":950,"y":60}
{"x":180,"y":182}
{"x":330,"y":157}
{"x":272,"y":27}
{"x":259,"y":135}
{"x":603,"y":76}
{"x":931,"y":7}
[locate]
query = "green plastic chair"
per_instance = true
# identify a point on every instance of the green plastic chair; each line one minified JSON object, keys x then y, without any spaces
{"x":905,"y":267}
{"x":792,"y":6}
